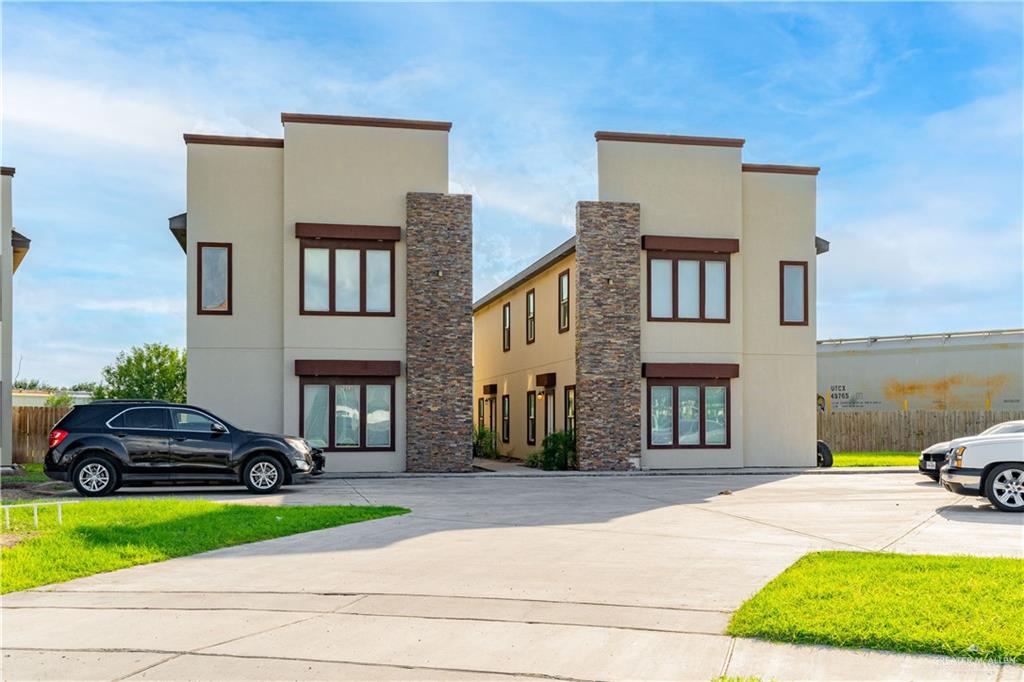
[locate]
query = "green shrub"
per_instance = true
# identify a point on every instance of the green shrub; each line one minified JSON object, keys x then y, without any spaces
{"x":485,"y":443}
{"x":559,"y":453}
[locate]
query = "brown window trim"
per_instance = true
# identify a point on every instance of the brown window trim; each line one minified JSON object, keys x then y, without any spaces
{"x":531,"y":296}
{"x":506,"y":327}
{"x":568,"y":301}
{"x":506,"y":418}
{"x":689,"y":370}
{"x":565,"y":407}
{"x":531,"y":422}
{"x":348,"y":368}
{"x":360,"y":381}
{"x":675,"y":257}
{"x":384,"y":233}
{"x":654,"y":242}
{"x":199,"y":288}
{"x":332,"y":245}
{"x":782,"y":294}
{"x":702,"y":384}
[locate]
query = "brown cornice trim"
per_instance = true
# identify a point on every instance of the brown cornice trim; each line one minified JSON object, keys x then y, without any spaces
{"x":445,"y":126}
{"x":490,"y":389}
{"x":772,"y":168}
{"x":652,"y":242}
{"x":192,"y":138}
{"x":690,"y":370}
{"x":7,"y":170}
{"x":548,"y":380}
{"x":384,"y":233}
{"x":606,"y":136}
{"x":348,"y":368}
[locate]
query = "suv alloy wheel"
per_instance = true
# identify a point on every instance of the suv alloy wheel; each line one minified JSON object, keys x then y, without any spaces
{"x":95,"y":477}
{"x":263,"y":474}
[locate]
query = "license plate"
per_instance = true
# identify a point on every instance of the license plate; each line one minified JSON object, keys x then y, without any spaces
{"x":929,"y":465}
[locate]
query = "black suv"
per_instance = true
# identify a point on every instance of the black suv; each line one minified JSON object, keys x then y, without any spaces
{"x":105,"y":444}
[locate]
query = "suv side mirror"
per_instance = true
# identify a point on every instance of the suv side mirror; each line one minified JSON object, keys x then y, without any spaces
{"x":217,"y":428}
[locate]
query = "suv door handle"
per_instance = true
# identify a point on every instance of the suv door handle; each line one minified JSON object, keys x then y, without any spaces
{"x":178,"y":438}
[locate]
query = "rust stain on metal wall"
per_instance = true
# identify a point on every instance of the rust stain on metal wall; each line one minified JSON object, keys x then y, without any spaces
{"x":954,"y":391}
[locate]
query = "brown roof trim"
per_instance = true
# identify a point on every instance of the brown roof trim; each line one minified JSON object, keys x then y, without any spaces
{"x":366,"y":121}
{"x":546,"y":261}
{"x":193,"y":138}
{"x":773,"y":168}
{"x":651,"y":242}
{"x":348,"y":368}
{"x":604,"y":135}
{"x":7,"y":170}
{"x":385,"y":233}
{"x":690,"y":370}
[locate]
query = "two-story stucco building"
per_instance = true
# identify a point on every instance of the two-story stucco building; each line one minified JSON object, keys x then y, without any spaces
{"x":676,"y":329}
{"x":329,"y":289}
{"x":13,"y":247}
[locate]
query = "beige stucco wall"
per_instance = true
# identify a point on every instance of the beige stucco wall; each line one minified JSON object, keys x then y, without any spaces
{"x":234,"y":361}
{"x":6,"y":290}
{"x":352,"y":175}
{"x":515,"y":371}
{"x":779,"y":362}
{"x":684,"y":191}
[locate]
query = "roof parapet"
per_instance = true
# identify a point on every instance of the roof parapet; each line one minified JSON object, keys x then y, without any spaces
{"x":7,"y":170}
{"x":607,"y":136}
{"x":369,"y":122}
{"x":776,"y":168}
{"x":230,"y":140}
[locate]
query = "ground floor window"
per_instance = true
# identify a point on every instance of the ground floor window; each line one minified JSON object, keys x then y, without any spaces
{"x":531,"y":417}
{"x":362,"y":408}
{"x":687,"y":413}
{"x":505,"y":419}
{"x":570,"y":409}
{"x":480,"y":413}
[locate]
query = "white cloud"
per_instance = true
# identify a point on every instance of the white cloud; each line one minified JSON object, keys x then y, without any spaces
{"x":145,"y":306}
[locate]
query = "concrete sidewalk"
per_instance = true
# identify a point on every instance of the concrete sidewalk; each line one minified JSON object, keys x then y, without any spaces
{"x":560,"y":578}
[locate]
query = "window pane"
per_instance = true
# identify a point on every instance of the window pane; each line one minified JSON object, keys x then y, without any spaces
{"x":661,"y":288}
{"x":689,"y":415}
{"x":346,"y":416}
{"x":661,"y":415}
{"x":314,"y":421}
{"x":714,"y":289}
{"x":315,"y":286}
{"x":793,"y":293}
{"x":346,"y":279}
{"x":146,"y":418}
{"x":378,"y":281}
{"x":215,"y":277}
{"x":689,"y":288}
{"x":714,"y":415}
{"x":378,"y":416}
{"x":186,"y":420}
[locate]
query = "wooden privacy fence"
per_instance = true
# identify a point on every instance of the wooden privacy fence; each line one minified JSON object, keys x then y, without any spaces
{"x":31,"y":427}
{"x":910,"y":431}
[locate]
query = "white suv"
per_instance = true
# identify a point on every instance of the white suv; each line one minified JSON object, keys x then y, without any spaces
{"x":992,"y":466}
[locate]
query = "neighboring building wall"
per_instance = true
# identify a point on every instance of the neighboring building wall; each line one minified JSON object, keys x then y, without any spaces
{"x":515,"y":372}
{"x":608,"y":345}
{"x":6,"y":280}
{"x":778,"y":362}
{"x":234,"y":361}
{"x":956,"y":371}
{"x":439,"y":371}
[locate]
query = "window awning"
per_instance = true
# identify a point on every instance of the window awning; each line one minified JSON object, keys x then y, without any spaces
{"x":690,"y":370}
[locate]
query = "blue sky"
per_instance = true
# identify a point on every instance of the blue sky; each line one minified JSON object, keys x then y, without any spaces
{"x":913,"y":110}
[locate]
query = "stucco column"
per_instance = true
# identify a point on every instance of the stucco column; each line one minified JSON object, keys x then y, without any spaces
{"x":607,"y":335}
{"x":439,"y":326}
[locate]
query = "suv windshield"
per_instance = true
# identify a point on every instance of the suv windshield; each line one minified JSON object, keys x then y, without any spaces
{"x":1005,"y":427}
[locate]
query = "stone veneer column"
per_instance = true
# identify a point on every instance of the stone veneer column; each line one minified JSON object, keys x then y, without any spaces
{"x":439,"y":332}
{"x":607,"y":335}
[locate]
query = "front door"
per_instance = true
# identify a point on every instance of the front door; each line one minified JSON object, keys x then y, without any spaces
{"x":199,"y":443}
{"x":549,"y":413}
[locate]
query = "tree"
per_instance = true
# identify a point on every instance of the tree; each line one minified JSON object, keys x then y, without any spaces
{"x":154,"y":371}
{"x":59,"y":399}
{"x":32,"y":385}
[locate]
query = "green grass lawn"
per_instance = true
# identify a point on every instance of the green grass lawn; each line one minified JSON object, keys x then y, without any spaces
{"x":33,"y":474}
{"x":100,"y":536}
{"x":875,"y":459}
{"x":952,"y":605}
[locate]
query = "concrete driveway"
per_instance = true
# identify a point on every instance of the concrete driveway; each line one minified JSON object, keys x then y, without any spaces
{"x":612,"y":577}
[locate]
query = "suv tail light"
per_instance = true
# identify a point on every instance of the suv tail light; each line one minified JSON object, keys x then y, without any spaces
{"x":57,"y":437}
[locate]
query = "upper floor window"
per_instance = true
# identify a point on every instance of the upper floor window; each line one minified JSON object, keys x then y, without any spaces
{"x":506,"y":326}
{"x":688,"y":287}
{"x":793,"y":292}
{"x":563,"y":302}
{"x":342,"y":277}
{"x":214,"y":286}
{"x":531,"y":316}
